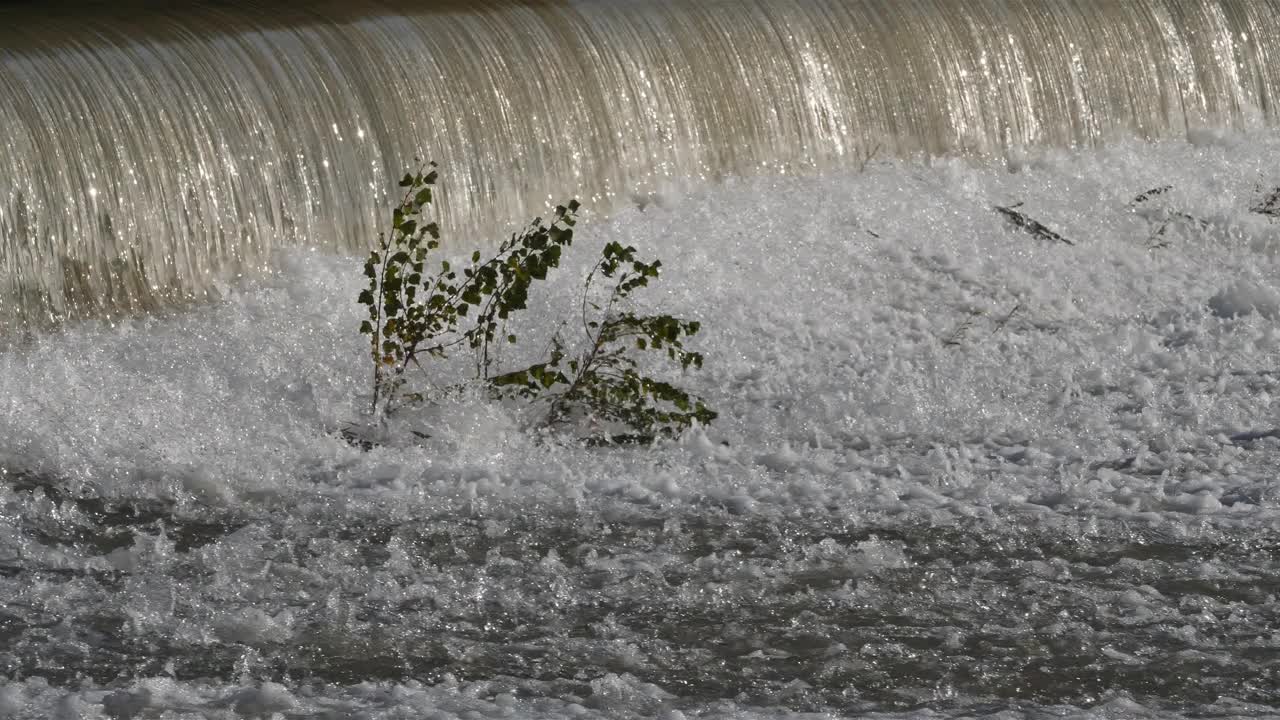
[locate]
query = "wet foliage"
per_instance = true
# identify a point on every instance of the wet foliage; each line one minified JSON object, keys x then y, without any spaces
{"x":420,"y":308}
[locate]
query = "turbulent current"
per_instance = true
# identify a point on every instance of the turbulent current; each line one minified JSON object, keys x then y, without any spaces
{"x":959,"y":471}
{"x":990,"y":305}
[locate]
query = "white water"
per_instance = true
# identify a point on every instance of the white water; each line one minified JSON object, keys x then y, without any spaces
{"x":1069,"y":513}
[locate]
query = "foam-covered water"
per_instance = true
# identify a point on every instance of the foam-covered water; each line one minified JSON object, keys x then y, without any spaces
{"x":958,"y":472}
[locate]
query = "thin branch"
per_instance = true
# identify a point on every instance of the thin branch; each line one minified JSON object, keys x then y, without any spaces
{"x":1005,"y":320}
{"x":867,"y":157}
{"x":1022,"y":221}
{"x":586,"y":294}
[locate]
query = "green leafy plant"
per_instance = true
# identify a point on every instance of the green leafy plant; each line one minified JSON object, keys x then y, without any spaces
{"x":604,"y":383}
{"x":421,"y":309}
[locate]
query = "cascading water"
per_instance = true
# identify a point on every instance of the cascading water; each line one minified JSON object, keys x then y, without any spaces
{"x":144,"y":155}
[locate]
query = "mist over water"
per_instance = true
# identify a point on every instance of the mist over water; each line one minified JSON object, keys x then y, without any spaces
{"x":147,"y":152}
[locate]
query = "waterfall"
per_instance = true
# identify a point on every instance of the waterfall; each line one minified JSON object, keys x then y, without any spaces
{"x":147,"y":152}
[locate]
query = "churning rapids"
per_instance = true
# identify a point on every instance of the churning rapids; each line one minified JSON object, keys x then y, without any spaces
{"x":959,"y":471}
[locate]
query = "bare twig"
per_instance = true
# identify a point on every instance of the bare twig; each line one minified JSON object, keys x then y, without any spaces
{"x":1165,"y":216}
{"x":1157,"y":241}
{"x":864,"y":157}
{"x":1143,"y":197}
{"x":1022,"y":221}
{"x":956,"y":338}
{"x":1005,"y":320}
{"x":1269,"y":205}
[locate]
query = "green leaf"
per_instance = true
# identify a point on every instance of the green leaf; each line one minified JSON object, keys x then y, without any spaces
{"x":605,"y":382}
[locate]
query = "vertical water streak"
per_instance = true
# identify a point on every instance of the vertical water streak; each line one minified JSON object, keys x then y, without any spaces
{"x":146,"y":155}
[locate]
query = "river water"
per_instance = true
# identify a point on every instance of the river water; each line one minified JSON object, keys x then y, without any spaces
{"x":959,"y":471}
{"x":961,"y":468}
